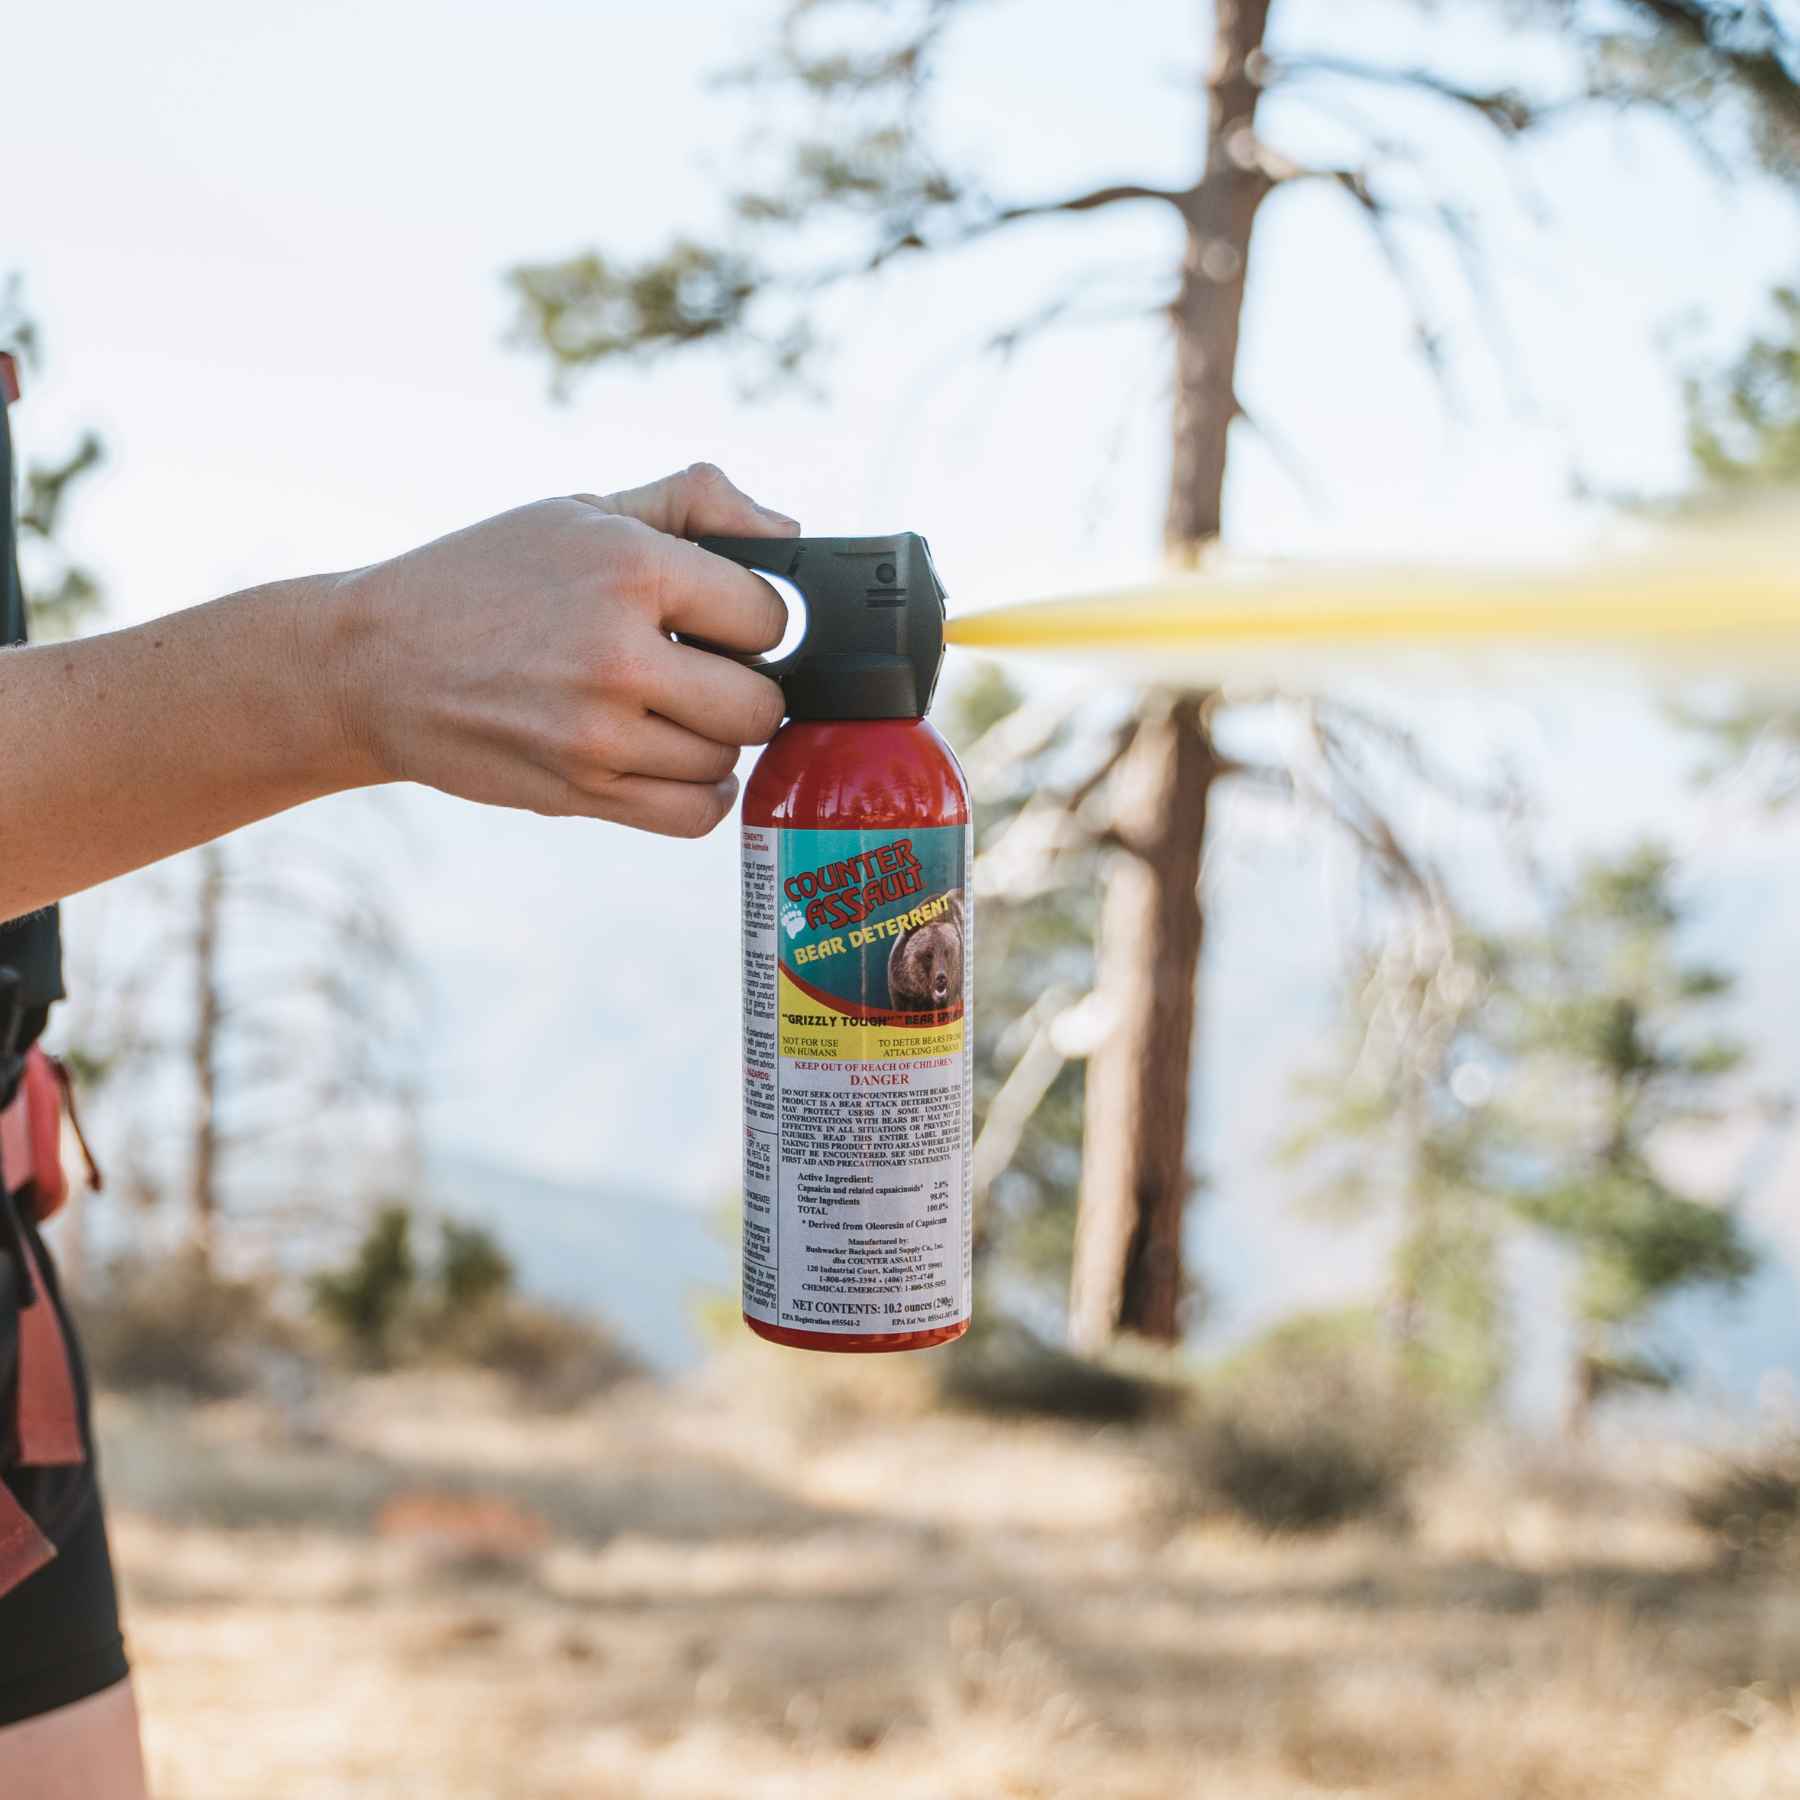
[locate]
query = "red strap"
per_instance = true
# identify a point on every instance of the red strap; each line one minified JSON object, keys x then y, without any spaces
{"x":9,"y":378}
{"x":18,"y":1141}
{"x":23,"y":1547}
{"x":43,"y":1114}
{"x":31,"y":1135}
{"x":49,"y":1420}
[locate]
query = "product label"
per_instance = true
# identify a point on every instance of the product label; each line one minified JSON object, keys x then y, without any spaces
{"x":858,"y":970}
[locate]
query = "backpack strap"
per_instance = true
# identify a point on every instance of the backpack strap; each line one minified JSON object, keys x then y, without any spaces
{"x":31,"y":1135}
{"x":32,"y":1184}
{"x":23,"y":1547}
{"x":48,"y":1422}
{"x":47,"y":1413}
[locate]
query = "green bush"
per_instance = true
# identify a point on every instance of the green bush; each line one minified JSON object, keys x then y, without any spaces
{"x":472,"y":1268}
{"x":367,"y":1301}
{"x":459,"y":1307}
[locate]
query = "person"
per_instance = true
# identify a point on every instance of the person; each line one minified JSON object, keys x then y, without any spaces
{"x":527,"y":661}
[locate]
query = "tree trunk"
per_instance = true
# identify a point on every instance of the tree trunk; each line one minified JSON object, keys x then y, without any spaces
{"x":1583,"y":1396}
{"x":203,"y":1174}
{"x":1210,"y":301}
{"x":1134,"y":1184}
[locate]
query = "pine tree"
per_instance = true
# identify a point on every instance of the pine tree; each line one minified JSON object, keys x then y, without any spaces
{"x":1609,"y":1028}
{"x":1744,"y":420}
{"x":61,"y":592}
{"x":859,"y":176}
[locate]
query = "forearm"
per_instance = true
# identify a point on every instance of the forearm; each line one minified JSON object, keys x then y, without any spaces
{"x":532,"y":660}
{"x":124,"y":748}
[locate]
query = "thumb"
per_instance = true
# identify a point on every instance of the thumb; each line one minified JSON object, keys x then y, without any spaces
{"x":699,"y":500}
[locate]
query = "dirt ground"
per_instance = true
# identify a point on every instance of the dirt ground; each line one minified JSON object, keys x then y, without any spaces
{"x":420,"y":1589}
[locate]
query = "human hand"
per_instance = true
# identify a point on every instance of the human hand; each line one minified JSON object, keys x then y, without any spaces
{"x":527,"y":661}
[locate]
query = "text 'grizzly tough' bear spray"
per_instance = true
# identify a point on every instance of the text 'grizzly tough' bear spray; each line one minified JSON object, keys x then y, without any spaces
{"x":858,"y":967}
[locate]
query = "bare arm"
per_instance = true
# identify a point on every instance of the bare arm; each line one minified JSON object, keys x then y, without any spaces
{"x":525,"y":662}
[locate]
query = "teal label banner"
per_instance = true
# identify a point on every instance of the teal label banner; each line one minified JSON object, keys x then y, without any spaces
{"x":871,"y":923}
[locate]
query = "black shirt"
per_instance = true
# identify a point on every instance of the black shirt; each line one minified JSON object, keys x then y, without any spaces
{"x":32,"y":945}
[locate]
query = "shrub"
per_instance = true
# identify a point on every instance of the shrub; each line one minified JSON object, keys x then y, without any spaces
{"x":472,"y":1268}
{"x":1310,"y":1429}
{"x":555,"y":1358}
{"x":367,"y":1300}
{"x":1001,"y":1366}
{"x":1752,"y":1508}
{"x":171,"y":1325}
{"x":461,"y":1308}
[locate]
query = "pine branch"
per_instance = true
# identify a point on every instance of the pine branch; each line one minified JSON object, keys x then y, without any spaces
{"x":1287,"y":458}
{"x":1507,"y":110}
{"x":1428,"y":334}
{"x":1044,"y":848}
{"x":1477,"y":277}
{"x":1264,"y":775}
{"x":1349,"y":804}
{"x":1019,"y":1096}
{"x":912,"y":237}
{"x":1745,"y":39}
{"x":1096,"y":198}
{"x":1009,"y":340}
{"x":47,"y":486}
{"x":1403,"y":743}
{"x":1122,"y":740}
{"x":1018,"y":736}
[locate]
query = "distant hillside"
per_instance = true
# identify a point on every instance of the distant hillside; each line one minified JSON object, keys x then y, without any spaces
{"x":636,"y":1263}
{"x":640,"y":1264}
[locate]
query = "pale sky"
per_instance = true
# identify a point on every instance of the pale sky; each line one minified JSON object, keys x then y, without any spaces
{"x":266,"y":247}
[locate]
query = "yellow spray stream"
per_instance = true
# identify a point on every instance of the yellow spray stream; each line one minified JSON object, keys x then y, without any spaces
{"x":1716,"y":595}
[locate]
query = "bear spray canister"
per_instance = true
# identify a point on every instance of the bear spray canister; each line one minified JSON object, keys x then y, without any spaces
{"x":858,"y":967}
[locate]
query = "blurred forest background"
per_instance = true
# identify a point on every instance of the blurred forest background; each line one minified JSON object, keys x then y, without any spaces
{"x":459,"y":1476}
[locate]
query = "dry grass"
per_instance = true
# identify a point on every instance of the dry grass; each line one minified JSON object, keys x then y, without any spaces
{"x":703,"y":1595}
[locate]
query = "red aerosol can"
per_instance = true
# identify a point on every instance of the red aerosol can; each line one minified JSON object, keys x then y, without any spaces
{"x":858,"y":967}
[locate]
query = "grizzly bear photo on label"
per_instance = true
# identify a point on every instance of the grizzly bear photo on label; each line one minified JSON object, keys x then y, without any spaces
{"x":925,"y":966}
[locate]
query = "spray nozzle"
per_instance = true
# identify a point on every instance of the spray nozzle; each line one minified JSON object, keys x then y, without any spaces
{"x":874,"y":622}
